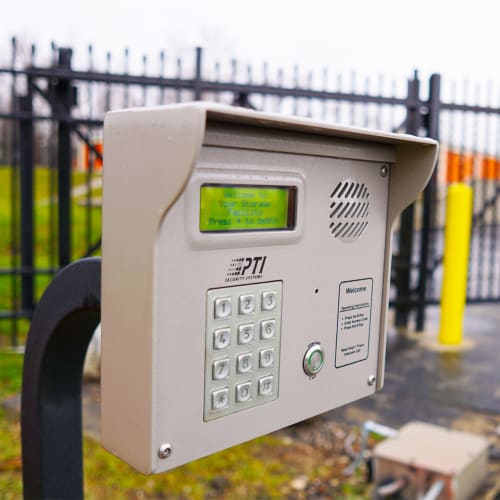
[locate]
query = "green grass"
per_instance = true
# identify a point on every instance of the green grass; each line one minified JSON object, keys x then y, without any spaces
{"x":10,"y":449}
{"x":244,"y":471}
{"x":10,"y":373}
{"x":45,"y":207}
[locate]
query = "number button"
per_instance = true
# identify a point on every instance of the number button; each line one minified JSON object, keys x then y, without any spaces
{"x":268,"y":301}
{"x":244,"y":392}
{"x":245,"y":333}
{"x":222,"y":338}
{"x":220,"y":399}
{"x":247,"y":304}
{"x":266,"y":358}
{"x":267,"y":329}
{"x":244,"y":363}
{"x":266,"y":386}
{"x":220,"y":369}
{"x":222,"y":308}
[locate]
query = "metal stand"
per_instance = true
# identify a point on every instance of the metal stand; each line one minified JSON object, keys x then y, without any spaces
{"x":51,"y":407}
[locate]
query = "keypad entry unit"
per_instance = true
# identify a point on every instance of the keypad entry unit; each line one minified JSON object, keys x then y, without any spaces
{"x":242,"y":353}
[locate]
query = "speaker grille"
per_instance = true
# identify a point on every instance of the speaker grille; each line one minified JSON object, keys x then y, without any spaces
{"x":349,"y":210}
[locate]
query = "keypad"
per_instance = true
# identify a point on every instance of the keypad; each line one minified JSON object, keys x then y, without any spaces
{"x":243,"y":332}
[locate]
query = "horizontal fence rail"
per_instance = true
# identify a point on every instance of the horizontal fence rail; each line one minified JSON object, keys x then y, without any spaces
{"x":51,"y":158}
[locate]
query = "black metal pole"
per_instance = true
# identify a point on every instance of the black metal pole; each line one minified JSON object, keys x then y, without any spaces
{"x":51,"y":407}
{"x":27,"y":226}
{"x":64,"y":102}
{"x":198,"y":76}
{"x":404,"y":260}
{"x":14,"y":198}
{"x":428,"y":202}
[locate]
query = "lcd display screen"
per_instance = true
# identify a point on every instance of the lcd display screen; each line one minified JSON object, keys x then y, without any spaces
{"x":226,"y":208}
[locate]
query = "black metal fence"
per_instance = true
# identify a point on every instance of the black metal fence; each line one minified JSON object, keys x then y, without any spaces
{"x":51,"y":116}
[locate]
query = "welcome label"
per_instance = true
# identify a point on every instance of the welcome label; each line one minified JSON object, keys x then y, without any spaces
{"x":353,"y":321}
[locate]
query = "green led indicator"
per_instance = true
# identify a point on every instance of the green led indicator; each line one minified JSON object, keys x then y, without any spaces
{"x":246,"y":208}
{"x":315,"y":361}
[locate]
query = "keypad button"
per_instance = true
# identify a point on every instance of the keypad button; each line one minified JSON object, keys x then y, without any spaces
{"x":268,"y":301}
{"x":266,"y":358}
{"x":266,"y":386}
{"x":222,"y":308}
{"x":244,"y":363}
{"x":267,"y":329}
{"x":220,"y":369}
{"x":247,"y":304}
{"x":246,"y":333}
{"x":244,"y":392}
{"x":220,"y":399}
{"x":222,"y":338}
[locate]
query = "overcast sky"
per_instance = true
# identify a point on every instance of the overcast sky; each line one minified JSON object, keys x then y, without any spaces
{"x":458,"y":38}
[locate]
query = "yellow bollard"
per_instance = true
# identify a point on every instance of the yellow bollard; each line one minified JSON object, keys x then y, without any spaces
{"x":456,"y":262}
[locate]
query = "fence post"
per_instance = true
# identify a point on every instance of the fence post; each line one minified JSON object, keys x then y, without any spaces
{"x":25,"y":106}
{"x":64,"y":100}
{"x":404,"y":260}
{"x":197,"y":76}
{"x":428,"y":215}
{"x":13,"y":162}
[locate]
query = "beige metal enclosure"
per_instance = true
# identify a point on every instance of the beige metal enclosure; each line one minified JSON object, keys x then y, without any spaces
{"x":246,"y":263}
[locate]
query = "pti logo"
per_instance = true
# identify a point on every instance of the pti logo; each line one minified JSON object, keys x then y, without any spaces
{"x":245,"y":268}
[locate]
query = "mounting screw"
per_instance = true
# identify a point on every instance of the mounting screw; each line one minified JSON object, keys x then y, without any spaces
{"x":372,"y":379}
{"x":384,"y":170}
{"x":165,"y":450}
